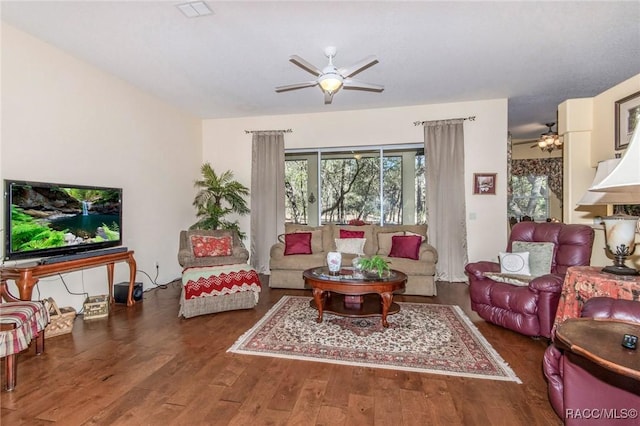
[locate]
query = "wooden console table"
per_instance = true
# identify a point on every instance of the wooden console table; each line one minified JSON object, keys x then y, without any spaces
{"x":584,"y":282}
{"x":26,"y":276}
{"x":595,"y":345}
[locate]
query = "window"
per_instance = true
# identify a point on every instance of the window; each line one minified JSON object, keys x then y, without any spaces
{"x":530,"y":197}
{"x":384,"y":185}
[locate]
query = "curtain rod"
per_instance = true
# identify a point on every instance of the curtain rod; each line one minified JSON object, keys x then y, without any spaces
{"x":258,"y":131}
{"x":421,"y":123}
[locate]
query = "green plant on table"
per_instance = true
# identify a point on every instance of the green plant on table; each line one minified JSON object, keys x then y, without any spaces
{"x":374,"y":264}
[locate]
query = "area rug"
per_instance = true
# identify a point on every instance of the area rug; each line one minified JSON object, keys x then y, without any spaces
{"x":426,"y":338}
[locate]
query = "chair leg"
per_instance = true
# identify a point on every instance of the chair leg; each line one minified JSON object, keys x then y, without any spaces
{"x":40,"y":343}
{"x":11,"y":371}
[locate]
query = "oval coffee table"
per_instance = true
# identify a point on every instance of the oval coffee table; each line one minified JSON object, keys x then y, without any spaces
{"x":350,"y":296}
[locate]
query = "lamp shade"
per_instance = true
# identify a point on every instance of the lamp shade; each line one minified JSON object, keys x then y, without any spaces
{"x":598,"y":198}
{"x":625,"y":177}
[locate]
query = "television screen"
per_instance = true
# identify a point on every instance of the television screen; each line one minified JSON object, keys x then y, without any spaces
{"x":48,"y":219}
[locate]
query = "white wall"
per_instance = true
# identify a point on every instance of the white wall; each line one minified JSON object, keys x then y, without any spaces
{"x":588,"y":126}
{"x":65,"y":121}
{"x":227,"y":146}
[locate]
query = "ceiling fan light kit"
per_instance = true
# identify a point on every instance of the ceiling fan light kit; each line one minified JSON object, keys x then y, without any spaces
{"x":330,"y":82}
{"x":549,"y":141}
{"x":331,"y":79}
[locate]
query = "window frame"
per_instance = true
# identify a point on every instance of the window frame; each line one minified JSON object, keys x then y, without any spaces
{"x":381,"y":149}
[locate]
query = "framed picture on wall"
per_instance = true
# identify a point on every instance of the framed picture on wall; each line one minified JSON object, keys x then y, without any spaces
{"x":484,"y":183}
{"x":627,"y":118}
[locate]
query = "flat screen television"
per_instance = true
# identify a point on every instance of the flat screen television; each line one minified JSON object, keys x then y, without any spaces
{"x":49,"y":219}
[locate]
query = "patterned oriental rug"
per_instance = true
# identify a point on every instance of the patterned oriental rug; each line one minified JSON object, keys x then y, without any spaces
{"x":426,"y":338}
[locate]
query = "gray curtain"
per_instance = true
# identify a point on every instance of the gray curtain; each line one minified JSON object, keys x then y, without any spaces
{"x":446,"y":213}
{"x":267,"y":196}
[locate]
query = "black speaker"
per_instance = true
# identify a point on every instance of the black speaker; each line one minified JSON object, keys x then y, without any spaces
{"x":121,"y":291}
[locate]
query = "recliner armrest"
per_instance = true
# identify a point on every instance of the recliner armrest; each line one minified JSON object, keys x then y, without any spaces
{"x":552,"y":368}
{"x":610,"y":308}
{"x":477,"y":269}
{"x":551,"y":283}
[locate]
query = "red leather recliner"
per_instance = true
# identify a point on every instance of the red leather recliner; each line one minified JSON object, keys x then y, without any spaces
{"x":531,"y":309}
{"x":576,"y":393}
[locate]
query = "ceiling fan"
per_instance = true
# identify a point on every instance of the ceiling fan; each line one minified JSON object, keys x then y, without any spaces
{"x":331,"y":79}
{"x":549,"y":140}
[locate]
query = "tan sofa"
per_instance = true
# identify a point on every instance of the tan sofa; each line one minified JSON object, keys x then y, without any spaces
{"x":286,"y":271}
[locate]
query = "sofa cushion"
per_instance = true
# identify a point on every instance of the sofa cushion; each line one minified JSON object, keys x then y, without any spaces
{"x":345,"y":233}
{"x":540,"y":256}
{"x":297,"y":243}
{"x":207,"y":246}
{"x":384,"y":242}
{"x":422,"y":237}
{"x":514,"y":263}
{"x":406,"y":246}
{"x":317,"y":240}
{"x":350,"y":245}
{"x":369,"y":248}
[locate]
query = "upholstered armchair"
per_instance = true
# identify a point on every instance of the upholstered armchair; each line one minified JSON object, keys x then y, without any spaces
{"x":571,"y":387}
{"x":529,"y":307}
{"x":200,"y":248}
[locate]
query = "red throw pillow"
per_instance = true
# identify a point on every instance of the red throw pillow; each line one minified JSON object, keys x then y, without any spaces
{"x":345,"y":233}
{"x":297,"y":243}
{"x":407,"y":246}
{"x":206,"y":246}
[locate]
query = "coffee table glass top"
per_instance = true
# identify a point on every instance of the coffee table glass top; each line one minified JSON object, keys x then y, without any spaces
{"x":349,"y":274}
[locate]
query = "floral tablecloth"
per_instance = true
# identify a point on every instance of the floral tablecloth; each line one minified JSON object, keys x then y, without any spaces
{"x":584,"y":282}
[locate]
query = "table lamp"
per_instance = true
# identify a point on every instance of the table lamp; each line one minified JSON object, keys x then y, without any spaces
{"x":622,"y":183}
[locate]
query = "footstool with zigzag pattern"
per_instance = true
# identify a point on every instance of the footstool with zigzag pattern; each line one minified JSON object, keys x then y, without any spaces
{"x":211,"y":289}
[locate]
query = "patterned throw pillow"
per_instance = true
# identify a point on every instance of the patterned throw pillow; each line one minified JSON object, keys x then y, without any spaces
{"x":514,"y":263}
{"x":540,"y":255}
{"x":206,"y":246}
{"x":407,"y":246}
{"x":297,"y":243}
{"x":519,"y":280}
{"x":350,"y":245}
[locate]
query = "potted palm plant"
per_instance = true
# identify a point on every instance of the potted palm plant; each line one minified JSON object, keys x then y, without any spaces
{"x":218,"y":197}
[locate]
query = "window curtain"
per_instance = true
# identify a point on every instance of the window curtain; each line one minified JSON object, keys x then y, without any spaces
{"x":446,"y":212}
{"x":550,"y":167}
{"x":267,"y":196}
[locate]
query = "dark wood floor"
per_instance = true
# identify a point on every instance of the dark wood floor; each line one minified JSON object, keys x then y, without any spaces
{"x":145,"y":366}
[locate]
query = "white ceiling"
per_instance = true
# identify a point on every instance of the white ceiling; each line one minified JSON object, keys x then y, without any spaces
{"x":536,"y":54}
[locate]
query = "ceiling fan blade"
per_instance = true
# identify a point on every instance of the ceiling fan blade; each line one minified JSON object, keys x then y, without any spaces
{"x":305,"y":65}
{"x":351,"y":84}
{"x":296,"y":86}
{"x":328,"y":97}
{"x":358,"y":66}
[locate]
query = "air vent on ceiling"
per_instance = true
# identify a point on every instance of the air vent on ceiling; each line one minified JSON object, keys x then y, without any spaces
{"x":194,"y":9}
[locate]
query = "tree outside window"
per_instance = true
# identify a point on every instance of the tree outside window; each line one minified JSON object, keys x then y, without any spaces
{"x":529,"y":197}
{"x":350,"y":186}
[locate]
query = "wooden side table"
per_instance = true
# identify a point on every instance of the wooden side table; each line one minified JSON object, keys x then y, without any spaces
{"x":584,"y":282}
{"x":596,"y":345}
